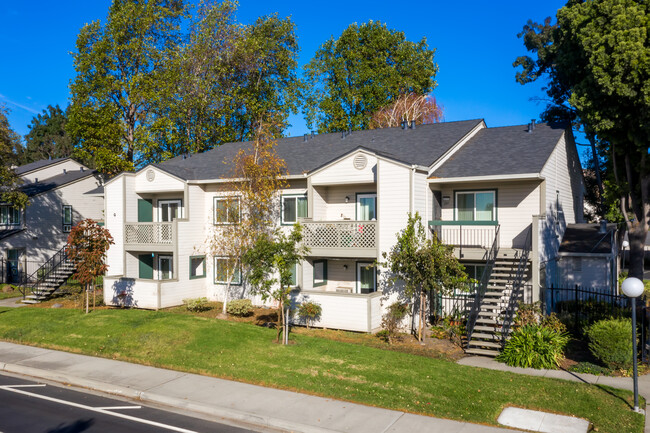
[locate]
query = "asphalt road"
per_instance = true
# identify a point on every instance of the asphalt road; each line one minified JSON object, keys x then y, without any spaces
{"x":27,"y":406}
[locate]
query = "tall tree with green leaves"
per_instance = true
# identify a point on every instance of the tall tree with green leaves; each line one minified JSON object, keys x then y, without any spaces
{"x":419,"y":267}
{"x":365,"y":69}
{"x":601,"y":56}
{"x":118,"y":79}
{"x":47,"y":137}
{"x":9,"y":182}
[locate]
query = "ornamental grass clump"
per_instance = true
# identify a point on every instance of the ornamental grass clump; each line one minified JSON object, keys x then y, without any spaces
{"x":535,"y":346}
{"x":610,"y":342}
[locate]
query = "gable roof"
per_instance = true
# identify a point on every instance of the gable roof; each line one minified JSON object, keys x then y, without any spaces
{"x":421,"y":146}
{"x":35,"y":188}
{"x":586,"y":239}
{"x":36,"y":165}
{"x":507,"y":150}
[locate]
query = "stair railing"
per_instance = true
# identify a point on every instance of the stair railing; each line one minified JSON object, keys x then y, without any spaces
{"x":482,"y":286}
{"x":517,"y":292}
{"x":48,"y":269}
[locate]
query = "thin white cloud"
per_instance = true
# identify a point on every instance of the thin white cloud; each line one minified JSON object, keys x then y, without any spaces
{"x":15,"y":104}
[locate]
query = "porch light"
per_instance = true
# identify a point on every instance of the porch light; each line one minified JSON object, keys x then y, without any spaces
{"x":345,"y":267}
{"x":633,"y":288}
{"x":347,"y":199}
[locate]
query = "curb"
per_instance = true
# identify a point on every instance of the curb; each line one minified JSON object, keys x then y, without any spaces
{"x":223,"y":413}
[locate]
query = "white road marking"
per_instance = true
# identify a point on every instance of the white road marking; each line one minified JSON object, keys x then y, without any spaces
{"x":24,"y":386}
{"x":11,"y":388}
{"x":118,"y":407}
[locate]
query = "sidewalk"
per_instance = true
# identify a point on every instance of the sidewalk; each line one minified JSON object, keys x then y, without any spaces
{"x":233,"y":401}
{"x":614,"y":382}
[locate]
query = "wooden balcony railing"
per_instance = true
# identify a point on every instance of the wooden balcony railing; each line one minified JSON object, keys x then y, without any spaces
{"x":149,"y":233}
{"x":340,"y":236}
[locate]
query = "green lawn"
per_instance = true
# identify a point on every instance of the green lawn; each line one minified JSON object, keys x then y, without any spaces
{"x":345,"y":371}
{"x":6,"y":292}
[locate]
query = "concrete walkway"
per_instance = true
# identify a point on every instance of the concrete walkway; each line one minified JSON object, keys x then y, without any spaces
{"x":11,"y":302}
{"x":614,"y":382}
{"x":233,"y":401}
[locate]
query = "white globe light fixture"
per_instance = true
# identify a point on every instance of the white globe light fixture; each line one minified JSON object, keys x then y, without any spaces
{"x":633,"y":288}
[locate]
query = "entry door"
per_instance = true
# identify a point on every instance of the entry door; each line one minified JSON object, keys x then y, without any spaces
{"x":366,"y":278}
{"x":14,"y":267}
{"x":169,"y":210}
{"x":366,"y":207}
{"x":165,"y":268}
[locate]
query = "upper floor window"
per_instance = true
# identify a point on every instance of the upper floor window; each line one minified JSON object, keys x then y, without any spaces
{"x":67,"y":218}
{"x":293,"y":207}
{"x":170,"y":210}
{"x":475,"y":206}
{"x":9,"y":215}
{"x":226,"y":210}
{"x":367,"y":207}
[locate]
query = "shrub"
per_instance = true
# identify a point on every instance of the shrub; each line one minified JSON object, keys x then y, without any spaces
{"x":392,"y":320}
{"x":196,"y":305}
{"x":610,"y":342}
{"x":534,"y":346}
{"x":309,"y":312}
{"x":554,"y":323}
{"x":240,"y":307}
{"x":527,"y":314}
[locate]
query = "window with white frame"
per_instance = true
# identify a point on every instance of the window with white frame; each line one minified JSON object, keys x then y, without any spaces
{"x":224,"y":267}
{"x":9,"y":215}
{"x":475,"y":206}
{"x":67,"y":218}
{"x":293,"y":207}
{"x":226,"y":210}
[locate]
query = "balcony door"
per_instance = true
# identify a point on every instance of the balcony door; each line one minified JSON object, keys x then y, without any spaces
{"x":165,"y":268}
{"x":366,"y":207}
{"x":366,"y":278}
{"x":169,"y":210}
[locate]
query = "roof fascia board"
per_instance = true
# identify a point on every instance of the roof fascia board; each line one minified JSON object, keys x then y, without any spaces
{"x":226,"y":180}
{"x":53,"y":163}
{"x":63,"y":185}
{"x":499,"y":177}
{"x":341,"y":157}
{"x":123,"y":174}
{"x":162,"y":170}
{"x":456,"y":147}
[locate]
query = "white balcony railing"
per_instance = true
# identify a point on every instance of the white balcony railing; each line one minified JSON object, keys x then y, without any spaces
{"x":149,"y":233}
{"x":472,"y":234}
{"x":340,"y":235}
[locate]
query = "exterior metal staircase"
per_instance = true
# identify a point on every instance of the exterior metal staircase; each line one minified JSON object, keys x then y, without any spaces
{"x":497,"y":299}
{"x":48,"y":278}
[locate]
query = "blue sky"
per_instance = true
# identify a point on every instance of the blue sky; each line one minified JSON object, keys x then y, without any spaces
{"x":476,"y":43}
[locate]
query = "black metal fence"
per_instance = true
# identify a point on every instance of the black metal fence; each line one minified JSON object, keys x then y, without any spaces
{"x":578,"y":307}
{"x":17,"y":272}
{"x":455,"y":305}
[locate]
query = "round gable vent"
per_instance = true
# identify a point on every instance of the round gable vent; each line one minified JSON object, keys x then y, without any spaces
{"x":360,"y":161}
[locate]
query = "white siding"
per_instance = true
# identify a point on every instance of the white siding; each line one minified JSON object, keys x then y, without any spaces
{"x":341,"y":311}
{"x":392,"y":202}
{"x":343,"y":171}
{"x":421,"y":201}
{"x":162,"y":182}
{"x":53,"y":170}
{"x":114,"y":222}
{"x":320,"y":203}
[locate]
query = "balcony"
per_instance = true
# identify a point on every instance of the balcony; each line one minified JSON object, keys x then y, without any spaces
{"x":145,"y":236}
{"x":341,"y":238}
{"x":466,"y":234}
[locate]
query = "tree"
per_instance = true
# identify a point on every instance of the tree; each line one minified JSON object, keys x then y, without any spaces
{"x":272,"y":259}
{"x":227,"y":78}
{"x":9,"y":182}
{"x":47,"y":137}
{"x":118,"y":79}
{"x":421,"y":109}
{"x":249,"y":207}
{"x":368,"y":67}
{"x":601,"y":56}
{"x":86,"y":247}
{"x":423,"y":266}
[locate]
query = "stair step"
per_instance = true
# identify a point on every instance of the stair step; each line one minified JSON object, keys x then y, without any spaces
{"x":485,"y":343}
{"x":29,"y":301}
{"x":485,"y":336}
{"x":484,"y":313}
{"x":483,"y":352}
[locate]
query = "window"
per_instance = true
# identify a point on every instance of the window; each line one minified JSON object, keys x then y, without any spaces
{"x":226,"y":210}
{"x":294,"y":276}
{"x":67,"y":218}
{"x":475,"y":206}
{"x":366,"y":207}
{"x":197,"y":267}
{"x":474,"y":271}
{"x":9,"y":215}
{"x":222,"y":268}
{"x":366,"y":278}
{"x":320,"y":272}
{"x":170,"y":210}
{"x":293,"y":207}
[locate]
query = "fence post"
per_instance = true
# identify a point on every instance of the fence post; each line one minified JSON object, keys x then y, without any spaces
{"x":577,"y":311}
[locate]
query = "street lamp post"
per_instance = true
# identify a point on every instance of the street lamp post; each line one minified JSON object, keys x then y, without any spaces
{"x":633,"y":288}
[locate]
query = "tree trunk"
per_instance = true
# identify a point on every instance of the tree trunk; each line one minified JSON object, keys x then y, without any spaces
{"x":636,"y":237}
{"x":87,"y":286}
{"x":93,"y":295}
{"x":280,"y":321}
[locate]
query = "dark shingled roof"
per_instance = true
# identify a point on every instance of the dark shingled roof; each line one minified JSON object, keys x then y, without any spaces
{"x":37,"y":165}
{"x":421,"y":146}
{"x":585,"y":238}
{"x":32,"y":189}
{"x":503,"y":150}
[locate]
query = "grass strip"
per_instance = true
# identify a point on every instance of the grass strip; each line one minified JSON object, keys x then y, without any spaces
{"x":352,"y":372}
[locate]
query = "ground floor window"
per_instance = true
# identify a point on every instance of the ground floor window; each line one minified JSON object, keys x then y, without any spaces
{"x":223,"y":267}
{"x":197,"y":267}
{"x":475,"y":272}
{"x":366,"y":278}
